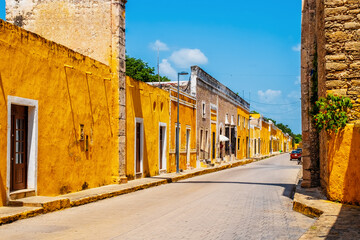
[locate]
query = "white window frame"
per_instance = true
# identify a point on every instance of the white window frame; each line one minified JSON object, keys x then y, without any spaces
{"x":203,"y":109}
{"x":32,"y":148}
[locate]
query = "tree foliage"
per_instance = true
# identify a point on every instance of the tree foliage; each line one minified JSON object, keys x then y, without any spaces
{"x":141,"y":71}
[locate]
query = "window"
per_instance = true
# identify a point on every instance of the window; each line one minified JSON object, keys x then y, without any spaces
{"x":238,"y":144}
{"x":201,"y":140}
{"x":207,"y":140}
{"x":203,"y":109}
{"x":238,"y":120}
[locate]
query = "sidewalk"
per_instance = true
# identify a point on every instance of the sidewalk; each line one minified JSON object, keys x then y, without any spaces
{"x":32,"y":206}
{"x":335,"y":220}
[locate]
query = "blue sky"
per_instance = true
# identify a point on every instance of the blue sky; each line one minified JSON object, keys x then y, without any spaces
{"x":250,"y":46}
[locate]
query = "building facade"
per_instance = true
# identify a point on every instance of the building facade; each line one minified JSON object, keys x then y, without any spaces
{"x":58,"y":118}
{"x":217,"y":126}
{"x":148,"y":119}
{"x":95,"y":29}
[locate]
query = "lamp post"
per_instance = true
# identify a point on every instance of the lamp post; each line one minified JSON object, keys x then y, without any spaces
{"x":178,"y":124}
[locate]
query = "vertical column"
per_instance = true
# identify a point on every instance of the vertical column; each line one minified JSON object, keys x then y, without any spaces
{"x":118,"y":67}
{"x":308,"y":74}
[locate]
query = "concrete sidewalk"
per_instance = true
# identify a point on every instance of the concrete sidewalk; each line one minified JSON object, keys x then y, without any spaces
{"x":32,"y":206}
{"x":335,"y":220}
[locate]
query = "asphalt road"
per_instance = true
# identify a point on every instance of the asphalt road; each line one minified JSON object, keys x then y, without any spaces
{"x":248,"y":202}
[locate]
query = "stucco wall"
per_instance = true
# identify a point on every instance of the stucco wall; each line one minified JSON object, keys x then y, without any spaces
{"x":151,"y":104}
{"x":84,"y":26}
{"x":207,"y":96}
{"x":242,"y":133}
{"x":343,"y":157}
{"x":187,"y":120}
{"x":34,"y":68}
{"x":94,"y":28}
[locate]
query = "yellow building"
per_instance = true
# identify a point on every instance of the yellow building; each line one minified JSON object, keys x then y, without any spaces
{"x":58,"y":117}
{"x":265,"y":138}
{"x":147,"y":127}
{"x":242,"y":133}
{"x":187,"y":120}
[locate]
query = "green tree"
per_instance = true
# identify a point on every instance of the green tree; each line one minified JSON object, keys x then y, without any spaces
{"x":141,"y":71}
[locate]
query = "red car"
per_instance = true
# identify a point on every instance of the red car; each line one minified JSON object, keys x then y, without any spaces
{"x":295,"y":154}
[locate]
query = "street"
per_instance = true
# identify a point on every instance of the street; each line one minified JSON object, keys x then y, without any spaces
{"x":247,"y":202}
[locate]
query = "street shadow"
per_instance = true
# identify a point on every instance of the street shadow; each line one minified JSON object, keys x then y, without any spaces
{"x":347,"y":224}
{"x":289,"y":189}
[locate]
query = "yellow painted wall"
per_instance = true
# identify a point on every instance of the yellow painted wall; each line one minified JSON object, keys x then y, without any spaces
{"x":242,"y":133}
{"x":187,"y":118}
{"x":152,"y":105}
{"x":343,"y":162}
{"x":255,"y":133}
{"x":33,"y":68}
{"x":265,"y":139}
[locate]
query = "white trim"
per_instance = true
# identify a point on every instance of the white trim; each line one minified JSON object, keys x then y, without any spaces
{"x":32,"y":147}
{"x":203,"y":109}
{"x":141,"y":121}
{"x":164,"y":163}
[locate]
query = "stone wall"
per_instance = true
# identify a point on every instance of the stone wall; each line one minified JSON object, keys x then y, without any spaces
{"x":309,"y":78}
{"x":94,"y":28}
{"x":331,"y":63}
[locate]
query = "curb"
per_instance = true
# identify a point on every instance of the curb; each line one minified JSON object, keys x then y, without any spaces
{"x":65,"y":203}
{"x":307,"y":210}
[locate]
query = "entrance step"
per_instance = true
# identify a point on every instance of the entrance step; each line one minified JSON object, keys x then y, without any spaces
{"x":49,"y":204}
{"x":22,"y":194}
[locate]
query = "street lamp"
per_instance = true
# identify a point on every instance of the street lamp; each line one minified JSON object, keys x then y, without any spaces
{"x":178,"y":124}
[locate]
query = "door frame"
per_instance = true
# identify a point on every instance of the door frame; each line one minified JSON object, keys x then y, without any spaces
{"x":188,"y":145}
{"x":32,"y":138}
{"x":164,"y":163}
{"x":141,"y":121}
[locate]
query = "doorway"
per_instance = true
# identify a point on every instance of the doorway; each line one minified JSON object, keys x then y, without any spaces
{"x":19,"y":156}
{"x":188,"y":147}
{"x":139,"y":145}
{"x":162,"y":148}
{"x":213,"y":141}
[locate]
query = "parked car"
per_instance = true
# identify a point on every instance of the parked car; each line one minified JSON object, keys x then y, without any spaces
{"x":299,"y":149}
{"x":295,"y":154}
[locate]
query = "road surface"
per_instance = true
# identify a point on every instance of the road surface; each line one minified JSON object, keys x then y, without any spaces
{"x":247,"y":202}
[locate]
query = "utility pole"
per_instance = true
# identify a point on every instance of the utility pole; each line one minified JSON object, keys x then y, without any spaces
{"x":249,"y":124}
{"x":158,"y":65}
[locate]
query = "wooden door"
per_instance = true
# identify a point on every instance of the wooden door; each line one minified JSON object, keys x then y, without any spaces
{"x":138,"y":148}
{"x":18,"y":147}
{"x":161,"y":135}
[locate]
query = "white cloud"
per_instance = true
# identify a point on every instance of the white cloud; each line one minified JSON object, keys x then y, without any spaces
{"x":269,"y":95}
{"x":296,"y":48}
{"x":167,"y":70}
{"x":295,"y":95}
{"x":186,"y":57}
{"x":298,"y":80}
{"x":159,"y":45}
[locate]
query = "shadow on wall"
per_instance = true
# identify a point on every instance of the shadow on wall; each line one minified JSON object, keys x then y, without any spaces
{"x":352,"y":177}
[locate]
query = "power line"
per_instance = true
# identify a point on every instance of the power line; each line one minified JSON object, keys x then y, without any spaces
{"x":275,"y":104}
